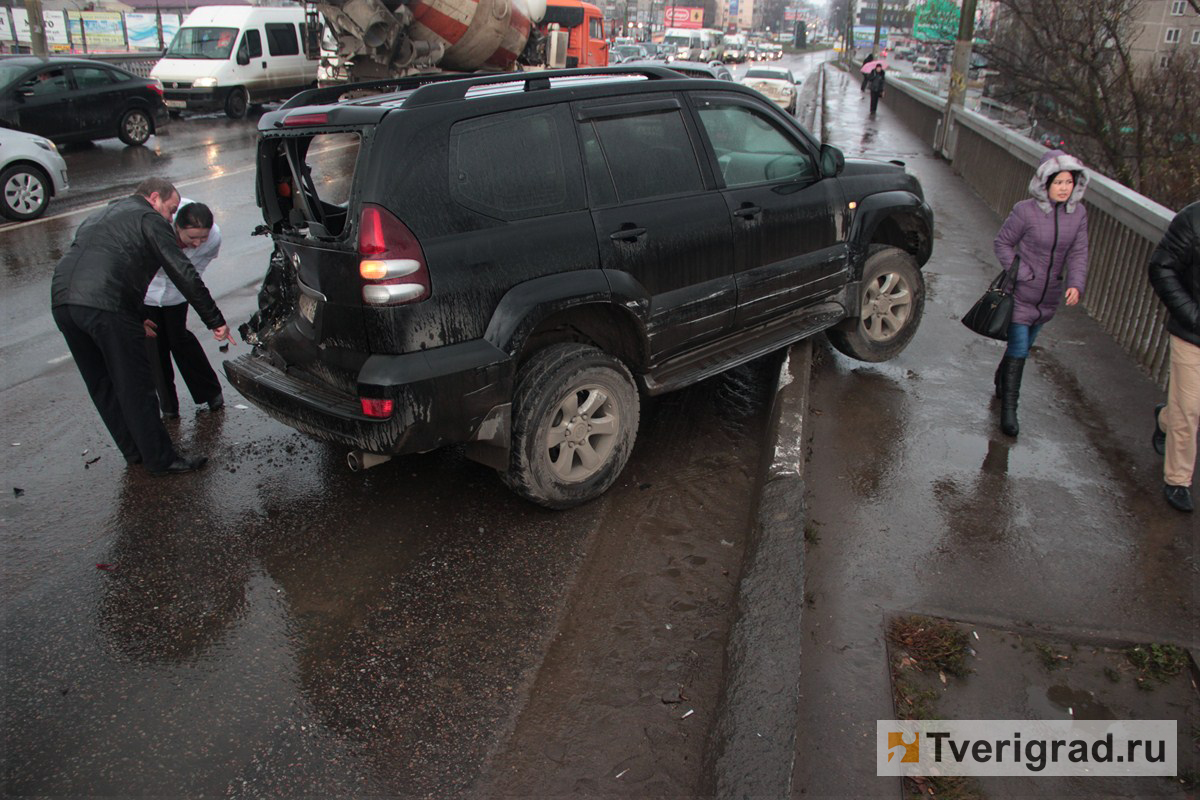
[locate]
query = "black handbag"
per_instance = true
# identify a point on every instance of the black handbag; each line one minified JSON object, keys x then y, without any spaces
{"x":992,"y":314}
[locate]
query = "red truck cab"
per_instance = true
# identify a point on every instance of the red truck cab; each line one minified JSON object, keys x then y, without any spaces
{"x":584,"y":24}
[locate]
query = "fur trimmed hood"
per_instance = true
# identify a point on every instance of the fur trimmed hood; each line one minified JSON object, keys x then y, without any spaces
{"x":1054,"y":162}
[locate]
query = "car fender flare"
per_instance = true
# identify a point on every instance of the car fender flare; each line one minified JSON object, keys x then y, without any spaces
{"x":523,"y":308}
{"x":874,"y":209}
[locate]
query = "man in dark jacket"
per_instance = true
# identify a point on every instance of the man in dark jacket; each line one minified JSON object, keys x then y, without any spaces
{"x":1175,"y":276}
{"x":96,"y":300}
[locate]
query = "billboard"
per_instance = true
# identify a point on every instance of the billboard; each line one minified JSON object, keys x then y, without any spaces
{"x":864,"y":36}
{"x":56,"y":31}
{"x":683,"y":17}
{"x":101,"y":29}
{"x":143,"y":29}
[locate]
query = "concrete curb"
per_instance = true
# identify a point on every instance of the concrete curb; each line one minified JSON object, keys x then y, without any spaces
{"x":752,"y":741}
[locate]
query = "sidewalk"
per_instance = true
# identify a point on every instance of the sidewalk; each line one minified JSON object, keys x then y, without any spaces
{"x":914,"y":503}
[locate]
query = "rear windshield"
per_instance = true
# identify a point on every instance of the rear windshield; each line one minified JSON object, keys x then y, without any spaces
{"x":209,"y":43}
{"x":305,"y":182}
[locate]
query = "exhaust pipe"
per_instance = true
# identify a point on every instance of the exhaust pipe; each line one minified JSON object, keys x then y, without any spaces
{"x":359,"y":460}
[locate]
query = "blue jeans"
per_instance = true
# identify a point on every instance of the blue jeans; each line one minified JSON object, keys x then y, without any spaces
{"x":1020,"y":339}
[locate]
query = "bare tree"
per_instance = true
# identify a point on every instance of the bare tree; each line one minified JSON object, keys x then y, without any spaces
{"x":1072,"y":64}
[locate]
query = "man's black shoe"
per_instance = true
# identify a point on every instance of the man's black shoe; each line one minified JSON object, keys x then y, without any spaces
{"x":1180,"y":497}
{"x":136,"y":458}
{"x":216,"y":404}
{"x":1159,"y":439}
{"x":181,"y":465}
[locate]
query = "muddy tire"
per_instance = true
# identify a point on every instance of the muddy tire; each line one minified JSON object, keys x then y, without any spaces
{"x":574,"y":421}
{"x":237,"y":103}
{"x":893,"y":300}
{"x":135,"y":127}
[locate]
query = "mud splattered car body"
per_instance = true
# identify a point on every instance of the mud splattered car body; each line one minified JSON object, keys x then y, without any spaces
{"x":510,"y":261}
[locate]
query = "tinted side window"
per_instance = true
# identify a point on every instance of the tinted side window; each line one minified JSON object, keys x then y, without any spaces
{"x":510,"y":166}
{"x":92,"y":77}
{"x":647,"y":155}
{"x":251,"y":44}
{"x":750,"y":149}
{"x":281,"y":39}
{"x":47,"y":82}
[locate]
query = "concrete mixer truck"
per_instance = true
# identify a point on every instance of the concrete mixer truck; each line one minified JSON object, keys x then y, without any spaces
{"x":367,"y":40}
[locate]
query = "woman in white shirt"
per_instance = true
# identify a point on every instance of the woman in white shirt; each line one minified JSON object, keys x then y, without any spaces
{"x":166,"y":309}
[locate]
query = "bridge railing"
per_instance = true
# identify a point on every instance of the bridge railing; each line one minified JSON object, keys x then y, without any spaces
{"x":1124,"y":227}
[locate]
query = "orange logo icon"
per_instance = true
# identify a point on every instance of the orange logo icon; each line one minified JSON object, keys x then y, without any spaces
{"x":912,"y":750}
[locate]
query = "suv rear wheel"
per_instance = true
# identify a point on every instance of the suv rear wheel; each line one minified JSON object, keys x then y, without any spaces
{"x":893,"y":299}
{"x":575,"y":418}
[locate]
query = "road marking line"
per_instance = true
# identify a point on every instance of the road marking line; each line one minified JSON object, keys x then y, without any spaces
{"x":59,"y":359}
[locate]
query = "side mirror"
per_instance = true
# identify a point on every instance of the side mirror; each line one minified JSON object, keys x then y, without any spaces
{"x":243,"y":57}
{"x":832,"y":161}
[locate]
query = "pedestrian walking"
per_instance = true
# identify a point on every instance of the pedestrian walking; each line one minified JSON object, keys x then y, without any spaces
{"x":876,"y":82}
{"x":1175,"y":276}
{"x":166,"y":308}
{"x":866,"y":75}
{"x":96,"y":300}
{"x":1049,"y":232}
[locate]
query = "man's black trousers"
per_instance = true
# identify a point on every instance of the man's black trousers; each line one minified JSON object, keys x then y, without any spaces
{"x":174,"y":339}
{"x":111,"y":356}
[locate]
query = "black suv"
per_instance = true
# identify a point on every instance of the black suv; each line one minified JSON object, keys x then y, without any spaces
{"x":509,"y":260}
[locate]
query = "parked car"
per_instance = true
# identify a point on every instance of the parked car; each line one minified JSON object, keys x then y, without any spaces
{"x":31,"y":172}
{"x":777,"y":83}
{"x":925,"y":64}
{"x":232,"y":57}
{"x":434,"y":284}
{"x":77,"y":99}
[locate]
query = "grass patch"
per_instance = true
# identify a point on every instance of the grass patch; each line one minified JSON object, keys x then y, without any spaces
{"x":931,"y":645}
{"x":912,"y":702}
{"x":810,"y":532}
{"x":1050,"y":658}
{"x":943,"y":787}
{"x":1156,"y":663}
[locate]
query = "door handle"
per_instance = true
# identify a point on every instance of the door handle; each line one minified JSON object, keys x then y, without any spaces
{"x":627,"y":234}
{"x":747,"y":212}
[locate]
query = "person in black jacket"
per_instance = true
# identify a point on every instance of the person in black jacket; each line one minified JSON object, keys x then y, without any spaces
{"x":876,"y":82}
{"x":1175,"y":276}
{"x":96,"y":301}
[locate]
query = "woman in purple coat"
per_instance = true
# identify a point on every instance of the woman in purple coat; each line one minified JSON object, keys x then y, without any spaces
{"x":1049,"y":232}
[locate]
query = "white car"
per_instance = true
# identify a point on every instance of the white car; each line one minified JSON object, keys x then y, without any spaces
{"x":776,"y":83}
{"x":31,"y":172}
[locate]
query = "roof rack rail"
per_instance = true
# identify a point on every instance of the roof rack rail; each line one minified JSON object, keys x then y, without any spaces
{"x":329,"y":94}
{"x":535,"y":80}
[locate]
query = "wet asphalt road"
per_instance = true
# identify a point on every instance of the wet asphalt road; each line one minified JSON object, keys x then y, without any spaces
{"x":276,"y":625}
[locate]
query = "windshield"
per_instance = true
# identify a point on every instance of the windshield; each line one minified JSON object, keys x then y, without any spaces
{"x":769,"y":74}
{"x":211,"y":43}
{"x":681,"y":41}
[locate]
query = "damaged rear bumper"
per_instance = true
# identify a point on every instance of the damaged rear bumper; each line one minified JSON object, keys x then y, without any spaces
{"x":433,"y":406}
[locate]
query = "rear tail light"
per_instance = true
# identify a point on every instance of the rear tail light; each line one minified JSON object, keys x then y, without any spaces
{"x":377,"y":407}
{"x":157,"y":87}
{"x":392,"y":264}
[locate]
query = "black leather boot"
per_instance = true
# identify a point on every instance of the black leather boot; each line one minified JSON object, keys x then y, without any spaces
{"x":998,"y":378}
{"x":1010,"y":382}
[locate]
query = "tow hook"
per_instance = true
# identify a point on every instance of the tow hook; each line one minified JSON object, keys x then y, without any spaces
{"x":359,"y":460}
